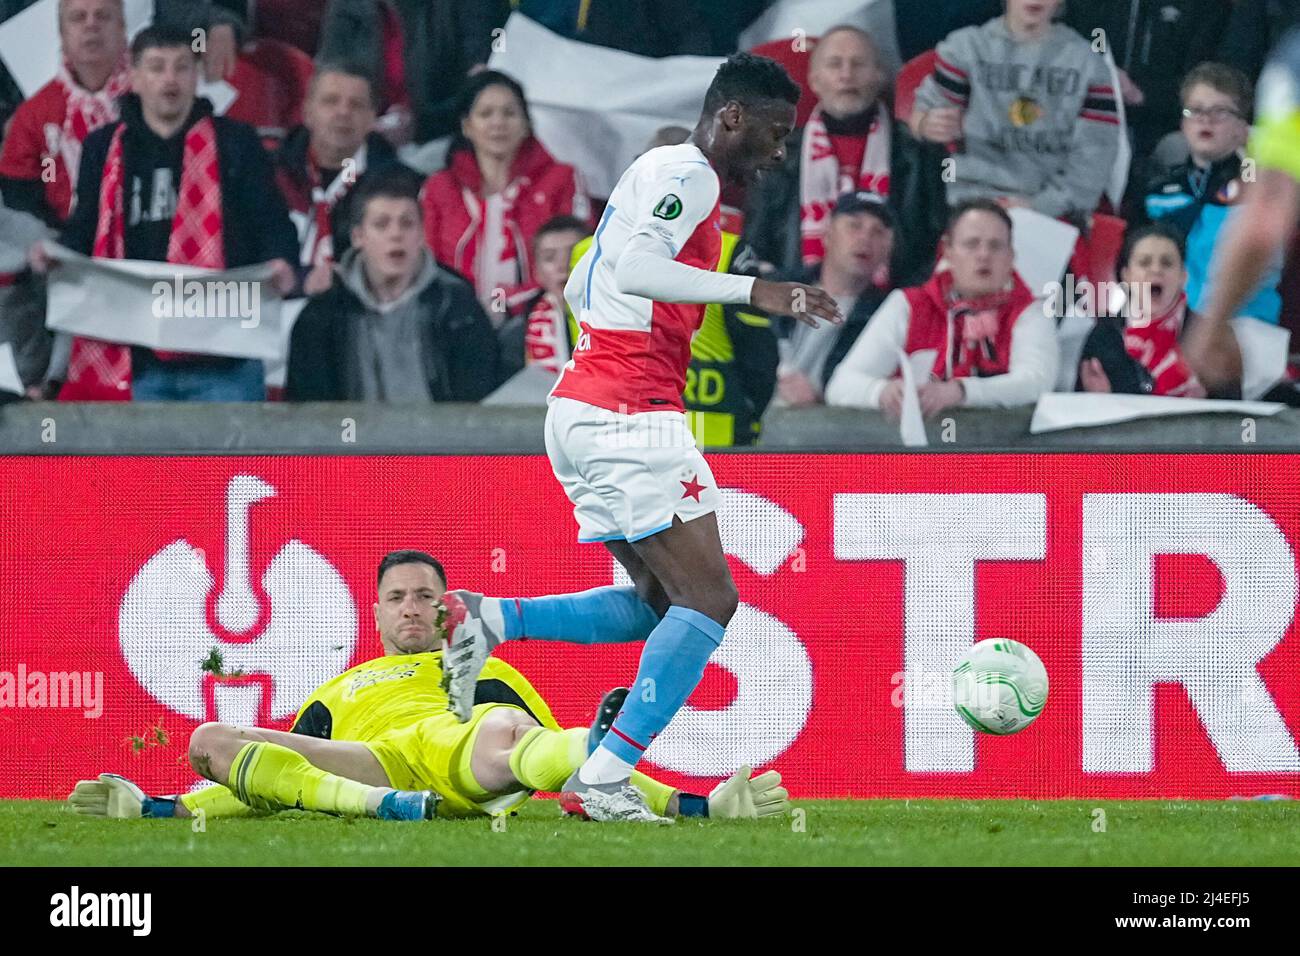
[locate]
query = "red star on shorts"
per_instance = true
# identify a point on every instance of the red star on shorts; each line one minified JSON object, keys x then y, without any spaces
{"x":693,"y":488}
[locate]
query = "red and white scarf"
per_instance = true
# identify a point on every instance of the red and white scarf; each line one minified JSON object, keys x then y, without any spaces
{"x":101,"y":371}
{"x":1154,"y":343}
{"x":971,"y":336}
{"x":86,"y":111}
{"x":317,"y":241}
{"x":821,"y":182}
{"x":546,"y":335}
{"x":493,"y":248}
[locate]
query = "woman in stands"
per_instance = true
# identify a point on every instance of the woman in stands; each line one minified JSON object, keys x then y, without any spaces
{"x":499,"y":187}
{"x":1139,"y":353}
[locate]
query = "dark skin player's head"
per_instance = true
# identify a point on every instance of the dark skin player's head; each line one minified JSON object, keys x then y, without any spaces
{"x":749,"y":110}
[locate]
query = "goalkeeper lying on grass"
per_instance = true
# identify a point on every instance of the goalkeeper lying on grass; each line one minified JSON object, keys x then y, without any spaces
{"x":379,"y":741}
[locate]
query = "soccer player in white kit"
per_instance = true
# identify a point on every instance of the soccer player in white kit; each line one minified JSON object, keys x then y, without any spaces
{"x":617,"y":437}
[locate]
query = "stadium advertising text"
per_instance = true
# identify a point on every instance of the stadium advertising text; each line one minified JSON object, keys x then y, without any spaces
{"x":1158,"y":590}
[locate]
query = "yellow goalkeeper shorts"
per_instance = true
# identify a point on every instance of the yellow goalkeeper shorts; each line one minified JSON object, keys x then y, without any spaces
{"x":434,"y":754}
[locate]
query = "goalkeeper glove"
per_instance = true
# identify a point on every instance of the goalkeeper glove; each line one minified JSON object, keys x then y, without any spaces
{"x":115,"y":796}
{"x":742,"y":797}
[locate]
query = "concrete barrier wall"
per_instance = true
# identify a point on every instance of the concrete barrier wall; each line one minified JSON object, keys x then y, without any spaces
{"x":352,"y":428}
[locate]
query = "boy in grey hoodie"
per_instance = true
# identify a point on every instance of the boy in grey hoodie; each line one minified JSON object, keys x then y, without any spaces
{"x":394,"y":326}
{"x":1033,"y":106}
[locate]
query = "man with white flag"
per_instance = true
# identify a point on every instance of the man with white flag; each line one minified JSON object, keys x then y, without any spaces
{"x":171,"y":183}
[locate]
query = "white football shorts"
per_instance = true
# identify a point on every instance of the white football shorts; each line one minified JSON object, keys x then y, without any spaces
{"x":627,"y":475}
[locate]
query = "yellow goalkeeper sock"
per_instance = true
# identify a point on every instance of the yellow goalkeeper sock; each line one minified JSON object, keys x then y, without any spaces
{"x":656,"y":794}
{"x":215,"y":802}
{"x":546,"y":758}
{"x":267,"y":776}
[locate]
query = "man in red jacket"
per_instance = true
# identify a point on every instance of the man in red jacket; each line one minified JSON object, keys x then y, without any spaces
{"x":38,"y":164}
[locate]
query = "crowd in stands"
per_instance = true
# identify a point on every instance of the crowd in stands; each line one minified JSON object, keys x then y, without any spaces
{"x":896,"y":197}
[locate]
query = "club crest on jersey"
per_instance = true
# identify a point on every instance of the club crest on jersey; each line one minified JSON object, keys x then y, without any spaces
{"x":670,"y":207}
{"x":1025,"y":111}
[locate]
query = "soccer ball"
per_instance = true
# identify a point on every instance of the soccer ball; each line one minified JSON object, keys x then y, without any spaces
{"x":999,"y":686}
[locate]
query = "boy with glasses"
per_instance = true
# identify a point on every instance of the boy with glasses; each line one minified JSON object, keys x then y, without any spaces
{"x":1198,"y":197}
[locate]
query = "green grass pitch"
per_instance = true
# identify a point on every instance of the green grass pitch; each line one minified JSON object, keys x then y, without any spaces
{"x":821,"y":832}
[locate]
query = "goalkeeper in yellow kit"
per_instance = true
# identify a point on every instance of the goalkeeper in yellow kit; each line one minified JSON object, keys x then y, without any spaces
{"x":378,"y":740}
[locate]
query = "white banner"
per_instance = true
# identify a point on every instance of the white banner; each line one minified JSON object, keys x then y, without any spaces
{"x":805,"y":19}
{"x":158,"y":305}
{"x":911,"y":425}
{"x":1057,"y":410}
{"x":597,"y":108}
{"x":1043,"y":247}
{"x":18,"y":230}
{"x":10,"y":380}
{"x":277,"y":369}
{"x":1264,"y":350}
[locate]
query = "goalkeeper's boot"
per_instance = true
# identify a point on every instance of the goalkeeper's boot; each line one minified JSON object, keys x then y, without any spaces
{"x":114,"y":796}
{"x":408,"y":805}
{"x":469,"y":640}
{"x":607,"y":802}
{"x":610,"y":707}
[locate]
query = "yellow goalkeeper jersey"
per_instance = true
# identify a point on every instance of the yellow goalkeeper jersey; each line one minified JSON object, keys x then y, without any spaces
{"x":1276,"y":140}
{"x":389,"y":693}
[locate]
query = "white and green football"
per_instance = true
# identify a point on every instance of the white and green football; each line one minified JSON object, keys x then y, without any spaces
{"x":999,"y":686}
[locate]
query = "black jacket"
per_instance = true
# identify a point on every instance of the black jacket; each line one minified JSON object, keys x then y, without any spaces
{"x":916,"y":196}
{"x":1127,"y":375}
{"x":460,"y":347}
{"x":1255,"y":28}
{"x":442,"y":40}
{"x":255,"y":222}
{"x":291,"y":176}
{"x":863,"y":309}
{"x":1155,"y":42}
{"x":644,"y":27}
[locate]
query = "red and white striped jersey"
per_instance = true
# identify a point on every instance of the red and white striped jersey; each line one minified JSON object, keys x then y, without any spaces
{"x":640,"y":290}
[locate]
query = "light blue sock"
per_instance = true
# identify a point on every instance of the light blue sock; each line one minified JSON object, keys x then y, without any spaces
{"x":671,"y":667}
{"x":608,"y":615}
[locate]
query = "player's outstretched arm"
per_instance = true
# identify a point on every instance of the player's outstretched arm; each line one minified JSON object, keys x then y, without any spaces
{"x":1263,"y":224}
{"x":648,"y":267}
{"x":116,"y":797}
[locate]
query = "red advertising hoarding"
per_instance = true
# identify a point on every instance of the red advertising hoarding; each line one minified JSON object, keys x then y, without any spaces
{"x":1159,"y":591}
